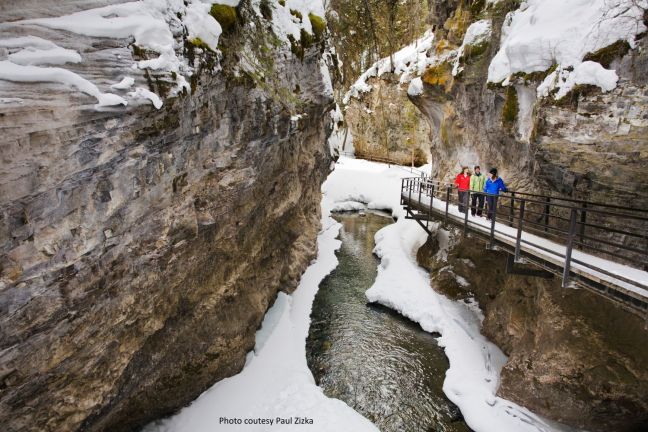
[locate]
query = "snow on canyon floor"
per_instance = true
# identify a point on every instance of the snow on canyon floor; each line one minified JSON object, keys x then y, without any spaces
{"x":276,"y":382}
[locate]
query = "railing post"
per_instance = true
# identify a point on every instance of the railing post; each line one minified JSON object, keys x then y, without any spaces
{"x":546,"y":213}
{"x":645,"y":266}
{"x":570,"y":246}
{"x":431,"y":196}
{"x":447,"y":204}
{"x":511,"y":214}
{"x":420,"y":183}
{"x":492,"y":229}
{"x":465,"y":228}
{"x":583,"y":219}
{"x":409,"y":202}
{"x":431,"y":201}
{"x":518,"y":239}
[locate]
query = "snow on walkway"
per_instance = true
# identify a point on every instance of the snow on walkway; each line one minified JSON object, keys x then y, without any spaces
{"x":508,"y":234}
{"x":475,"y":363}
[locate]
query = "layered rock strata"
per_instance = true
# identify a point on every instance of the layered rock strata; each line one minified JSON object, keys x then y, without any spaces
{"x":140,"y":248}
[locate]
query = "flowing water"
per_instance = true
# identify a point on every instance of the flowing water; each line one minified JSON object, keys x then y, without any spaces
{"x":379,"y":363}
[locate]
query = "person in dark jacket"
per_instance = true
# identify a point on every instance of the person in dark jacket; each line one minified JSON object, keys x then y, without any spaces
{"x":462,"y":181}
{"x":493,"y":186}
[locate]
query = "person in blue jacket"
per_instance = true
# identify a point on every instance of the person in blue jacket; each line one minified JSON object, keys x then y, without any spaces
{"x":493,"y":186}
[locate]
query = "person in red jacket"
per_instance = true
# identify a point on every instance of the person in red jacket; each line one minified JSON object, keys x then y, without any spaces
{"x":463,"y":186}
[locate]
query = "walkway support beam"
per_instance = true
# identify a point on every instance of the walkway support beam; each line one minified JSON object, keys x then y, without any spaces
{"x":431,"y":202}
{"x":583,"y":220}
{"x":445,"y":222}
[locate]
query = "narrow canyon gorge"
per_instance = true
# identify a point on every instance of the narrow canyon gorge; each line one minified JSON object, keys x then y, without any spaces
{"x":163,"y":186}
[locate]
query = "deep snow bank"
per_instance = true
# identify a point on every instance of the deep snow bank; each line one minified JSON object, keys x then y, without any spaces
{"x":475,"y":363}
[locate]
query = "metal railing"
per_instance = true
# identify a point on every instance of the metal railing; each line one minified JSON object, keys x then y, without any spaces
{"x":616,"y":232}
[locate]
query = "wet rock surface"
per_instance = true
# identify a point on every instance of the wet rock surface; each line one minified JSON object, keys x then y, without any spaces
{"x":140,"y":248}
{"x":573,"y":357}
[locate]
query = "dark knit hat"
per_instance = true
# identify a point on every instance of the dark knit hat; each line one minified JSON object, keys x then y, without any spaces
{"x":493,"y":171}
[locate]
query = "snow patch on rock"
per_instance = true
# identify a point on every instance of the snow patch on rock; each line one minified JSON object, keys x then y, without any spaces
{"x":142,"y":93}
{"x":285,"y":24}
{"x":49,"y":56}
{"x":415,"y":87}
{"x":478,"y":33}
{"x":409,"y":62}
{"x":200,"y":24}
{"x":543,"y":33}
{"x":32,"y":74}
{"x":125,"y":83}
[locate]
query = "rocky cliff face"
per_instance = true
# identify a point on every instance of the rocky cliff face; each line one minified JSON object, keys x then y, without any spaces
{"x":572,"y":357}
{"x":140,"y":248}
{"x":589,"y":144}
{"x":384,"y":124}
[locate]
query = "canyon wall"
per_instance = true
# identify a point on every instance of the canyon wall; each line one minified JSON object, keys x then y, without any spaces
{"x":589,"y":144}
{"x":385,"y":124}
{"x":573,"y":356}
{"x":141,"y":247}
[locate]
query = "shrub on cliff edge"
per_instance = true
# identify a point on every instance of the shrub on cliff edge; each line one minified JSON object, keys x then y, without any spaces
{"x":225,"y":15}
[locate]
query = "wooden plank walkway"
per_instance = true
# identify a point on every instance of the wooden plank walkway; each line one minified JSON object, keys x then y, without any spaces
{"x":557,"y":239}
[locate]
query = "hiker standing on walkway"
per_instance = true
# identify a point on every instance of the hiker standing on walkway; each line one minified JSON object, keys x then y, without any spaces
{"x":477,"y":182}
{"x":463,"y":185}
{"x":493,"y":186}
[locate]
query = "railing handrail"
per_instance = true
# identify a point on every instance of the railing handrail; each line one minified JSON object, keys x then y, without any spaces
{"x":512,"y":194}
{"x":573,"y":237}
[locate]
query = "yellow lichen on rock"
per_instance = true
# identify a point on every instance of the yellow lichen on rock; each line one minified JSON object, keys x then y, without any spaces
{"x":443,"y":46}
{"x":439,"y":75}
{"x":457,"y":25}
{"x":318,"y":24}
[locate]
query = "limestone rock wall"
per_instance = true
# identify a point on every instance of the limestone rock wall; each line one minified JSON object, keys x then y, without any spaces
{"x":385,"y":124}
{"x":140,"y":248}
{"x":589,"y":145}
